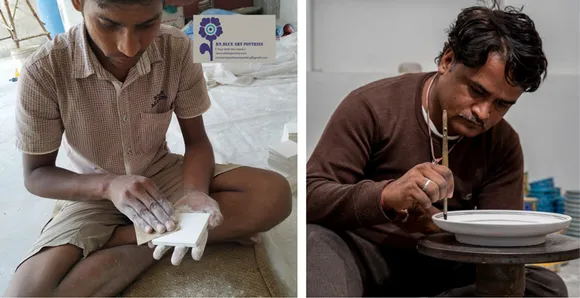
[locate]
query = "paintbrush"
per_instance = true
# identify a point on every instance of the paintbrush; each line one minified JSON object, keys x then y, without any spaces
{"x":445,"y":157}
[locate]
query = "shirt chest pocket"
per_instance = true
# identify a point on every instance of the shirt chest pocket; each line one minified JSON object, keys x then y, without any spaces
{"x":152,"y":130}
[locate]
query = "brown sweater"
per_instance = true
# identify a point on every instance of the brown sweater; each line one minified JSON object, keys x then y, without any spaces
{"x":376,"y":135}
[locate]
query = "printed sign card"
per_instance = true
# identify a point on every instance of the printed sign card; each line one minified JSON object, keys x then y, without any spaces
{"x":234,"y":38}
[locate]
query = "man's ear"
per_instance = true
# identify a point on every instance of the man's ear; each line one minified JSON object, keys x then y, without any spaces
{"x":78,"y":5}
{"x":446,"y":63}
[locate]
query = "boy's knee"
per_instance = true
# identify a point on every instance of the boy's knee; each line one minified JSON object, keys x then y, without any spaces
{"x":277,"y":199}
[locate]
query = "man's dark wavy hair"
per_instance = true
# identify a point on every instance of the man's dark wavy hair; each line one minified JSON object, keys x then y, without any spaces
{"x":479,"y":31}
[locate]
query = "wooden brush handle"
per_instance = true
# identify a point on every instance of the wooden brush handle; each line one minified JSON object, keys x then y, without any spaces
{"x":444,"y":145}
{"x":445,"y":156}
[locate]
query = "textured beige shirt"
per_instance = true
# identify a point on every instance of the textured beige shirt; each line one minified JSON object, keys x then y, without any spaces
{"x":105,"y":125}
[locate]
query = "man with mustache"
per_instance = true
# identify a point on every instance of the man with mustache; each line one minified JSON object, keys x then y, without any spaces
{"x":375,"y":177}
{"x":108,"y":88}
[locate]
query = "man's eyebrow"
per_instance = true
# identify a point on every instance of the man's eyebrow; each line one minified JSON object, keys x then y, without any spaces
{"x":478,"y":86}
{"x":484,"y":91}
{"x":104,"y":18}
{"x":157,"y":16}
{"x":153,"y":19}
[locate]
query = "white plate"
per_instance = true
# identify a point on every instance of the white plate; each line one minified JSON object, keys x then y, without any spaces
{"x":505,"y":228}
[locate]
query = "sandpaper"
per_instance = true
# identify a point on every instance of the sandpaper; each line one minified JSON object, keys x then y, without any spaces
{"x":144,"y":237}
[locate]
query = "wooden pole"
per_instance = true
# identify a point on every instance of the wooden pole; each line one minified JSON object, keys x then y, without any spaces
{"x":5,"y":23}
{"x":445,"y":156}
{"x":15,"y":8}
{"x":38,"y":19}
{"x":11,"y":20}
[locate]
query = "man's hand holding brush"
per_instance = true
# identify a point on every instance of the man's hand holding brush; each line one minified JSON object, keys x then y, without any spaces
{"x":420,"y":187}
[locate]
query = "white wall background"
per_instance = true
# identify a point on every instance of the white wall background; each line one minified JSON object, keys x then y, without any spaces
{"x":354,"y":42}
{"x":289,"y":11}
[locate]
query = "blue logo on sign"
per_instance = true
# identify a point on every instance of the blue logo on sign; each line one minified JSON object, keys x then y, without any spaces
{"x":210,"y":29}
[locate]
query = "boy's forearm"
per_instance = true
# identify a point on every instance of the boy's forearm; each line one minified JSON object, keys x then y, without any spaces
{"x":198,"y":167}
{"x":61,"y":184}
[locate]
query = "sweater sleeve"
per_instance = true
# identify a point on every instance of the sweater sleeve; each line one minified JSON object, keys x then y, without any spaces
{"x":503,"y":187}
{"x":337,"y":195}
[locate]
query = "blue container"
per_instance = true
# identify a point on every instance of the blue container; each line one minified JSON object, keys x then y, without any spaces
{"x":549,"y":199}
{"x":545,"y":207}
{"x":50,"y":16}
{"x":544,"y":183}
{"x":542,"y":189}
{"x":535,"y":194}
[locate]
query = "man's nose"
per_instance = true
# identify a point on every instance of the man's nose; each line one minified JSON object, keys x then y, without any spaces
{"x":482,"y":110}
{"x":129,"y":44}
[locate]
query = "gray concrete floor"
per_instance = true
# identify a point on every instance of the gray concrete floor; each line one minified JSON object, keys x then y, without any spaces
{"x":21,"y":214}
{"x":570,"y":274}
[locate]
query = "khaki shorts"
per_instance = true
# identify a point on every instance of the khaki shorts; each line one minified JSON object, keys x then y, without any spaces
{"x":90,"y":225}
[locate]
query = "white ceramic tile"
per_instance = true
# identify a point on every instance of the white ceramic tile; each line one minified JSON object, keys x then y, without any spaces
{"x":286,"y":149}
{"x":191,"y":227}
